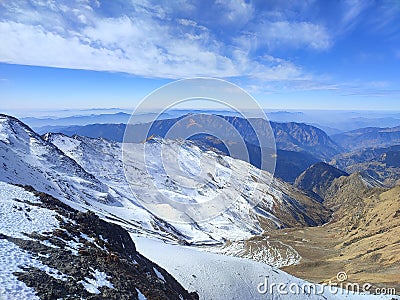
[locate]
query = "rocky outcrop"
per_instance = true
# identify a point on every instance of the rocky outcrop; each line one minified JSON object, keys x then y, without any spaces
{"x":94,"y":259}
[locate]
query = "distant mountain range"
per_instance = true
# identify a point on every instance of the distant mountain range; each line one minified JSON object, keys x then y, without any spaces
{"x":368,"y":137}
{"x":289,"y":136}
{"x":35,"y":122}
{"x":332,"y":122}
{"x":44,"y":124}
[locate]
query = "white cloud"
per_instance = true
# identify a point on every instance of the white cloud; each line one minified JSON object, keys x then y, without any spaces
{"x":238,"y":12}
{"x":147,"y":41}
{"x":112,"y":45}
{"x":187,"y":22}
{"x":177,"y":39}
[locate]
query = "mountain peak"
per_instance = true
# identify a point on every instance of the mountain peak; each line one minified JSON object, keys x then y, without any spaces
{"x":29,"y":159}
{"x":11,"y":127}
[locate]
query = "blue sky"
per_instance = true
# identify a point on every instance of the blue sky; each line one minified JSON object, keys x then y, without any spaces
{"x":287,"y":54}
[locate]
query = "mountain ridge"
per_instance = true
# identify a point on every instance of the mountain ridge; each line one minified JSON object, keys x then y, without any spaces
{"x":368,"y":137}
{"x":381,"y":163}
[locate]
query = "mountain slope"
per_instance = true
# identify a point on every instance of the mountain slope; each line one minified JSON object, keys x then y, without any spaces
{"x":362,"y":239}
{"x":302,"y":137}
{"x":368,"y":137}
{"x":51,"y":251}
{"x":93,"y":178}
{"x":29,"y":159}
{"x":317,"y":179}
{"x":344,"y":194}
{"x":381,"y":163}
{"x":280,"y":206}
{"x":289,"y":164}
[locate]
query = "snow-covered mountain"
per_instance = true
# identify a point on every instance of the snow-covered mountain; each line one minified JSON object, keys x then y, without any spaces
{"x":28,"y":159}
{"x":57,"y":164}
{"x":281,"y":205}
{"x":90,"y":173}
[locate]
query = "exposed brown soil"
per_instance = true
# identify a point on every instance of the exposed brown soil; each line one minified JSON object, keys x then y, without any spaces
{"x":364,"y":243}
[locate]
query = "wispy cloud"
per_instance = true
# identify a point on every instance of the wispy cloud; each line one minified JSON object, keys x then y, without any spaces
{"x":372,"y":92}
{"x":385,"y":18}
{"x":368,"y":88}
{"x":293,"y":34}
{"x":352,"y":9}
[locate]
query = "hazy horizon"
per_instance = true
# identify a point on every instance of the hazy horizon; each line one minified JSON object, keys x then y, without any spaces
{"x":49,"y":113}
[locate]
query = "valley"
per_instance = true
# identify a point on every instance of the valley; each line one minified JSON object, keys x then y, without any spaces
{"x":364,"y":245}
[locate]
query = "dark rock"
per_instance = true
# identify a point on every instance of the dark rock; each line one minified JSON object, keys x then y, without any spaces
{"x":108,"y":249}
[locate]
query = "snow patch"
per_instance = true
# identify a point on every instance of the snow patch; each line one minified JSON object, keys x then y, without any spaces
{"x":216,"y":276}
{"x":159,"y":275}
{"x":13,"y":259}
{"x":140,"y":295}
{"x":18,"y":217}
{"x":100,"y":280}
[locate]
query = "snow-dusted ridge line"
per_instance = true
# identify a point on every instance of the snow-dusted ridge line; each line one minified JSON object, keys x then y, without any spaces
{"x":30,"y":160}
{"x":241,"y":222}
